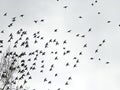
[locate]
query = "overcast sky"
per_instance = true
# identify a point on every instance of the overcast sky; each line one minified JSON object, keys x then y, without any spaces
{"x":89,"y":74}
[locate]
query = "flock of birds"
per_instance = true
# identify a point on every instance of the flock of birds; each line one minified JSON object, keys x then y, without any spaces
{"x":32,"y":57}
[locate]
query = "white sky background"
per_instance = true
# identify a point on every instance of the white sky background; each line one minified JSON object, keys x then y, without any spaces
{"x":89,"y":74}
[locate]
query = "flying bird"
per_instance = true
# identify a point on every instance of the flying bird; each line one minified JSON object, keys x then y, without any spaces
{"x":80,"y":16}
{"x":21,"y":15}
{"x":69,"y":31}
{"x":35,"y":21}
{"x":107,"y":62}
{"x":5,"y":14}
{"x":108,"y":21}
{"x":65,"y":6}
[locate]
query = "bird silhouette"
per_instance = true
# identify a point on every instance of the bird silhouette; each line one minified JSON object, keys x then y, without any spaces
{"x":66,"y":83}
{"x":55,"y":30}
{"x":92,"y":4}
{"x":42,"y":20}
{"x":107,"y":62}
{"x":5,"y":14}
{"x":45,"y":79}
{"x":56,"y":75}
{"x":89,"y":30}
{"x":65,"y":7}
{"x":77,"y":35}
{"x":21,"y":15}
{"x":108,"y":21}
{"x":98,"y":12}
{"x":69,"y":78}
{"x":69,"y":31}
{"x":35,"y":21}
{"x":49,"y":82}
{"x":80,"y":16}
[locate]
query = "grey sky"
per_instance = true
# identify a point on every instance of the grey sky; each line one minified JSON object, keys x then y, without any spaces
{"x":89,"y":75}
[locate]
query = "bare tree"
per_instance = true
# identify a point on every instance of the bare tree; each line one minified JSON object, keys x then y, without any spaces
{"x":9,"y":65}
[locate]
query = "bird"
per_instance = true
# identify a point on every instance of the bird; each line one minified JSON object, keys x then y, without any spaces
{"x":52,"y":65}
{"x":64,"y":42}
{"x":65,"y":6}
{"x":35,"y":41}
{"x":1,"y":41}
{"x":98,"y":12}
{"x":64,"y":48}
{"x":58,"y":89}
{"x":69,"y":31}
{"x":42,"y":38}
{"x":96,"y":50}
{"x":41,"y":71}
{"x":5,"y":14}
{"x":69,"y":78}
{"x":2,"y":31}
{"x":66,"y":83}
{"x":1,"y":46}
{"x":43,"y":53}
{"x":35,"y":21}
{"x":96,"y":1}
{"x":50,"y":69}
{"x":100,"y":45}
{"x":91,"y":58}
{"x":77,"y":61}
{"x":54,"y":40}
{"x":107,"y":62}
{"x":42,"y":66}
{"x":67,"y":64}
{"x":56,"y":52}
{"x":49,"y":82}
{"x":92,"y":4}
{"x":80,"y":53}
{"x":57,"y":43}
{"x":85,"y":45}
{"x":16,"y":78}
{"x":29,"y":59}
{"x":56,"y":75}
{"x":77,"y":35}
{"x":21,"y":86}
{"x":68,"y":51}
{"x":0,"y":51}
{"x":99,"y":59}
{"x":25,"y":81}
{"x":42,"y":20}
{"x":28,"y":73}
{"x":83,"y":36}
{"x":108,"y":21}
{"x":30,"y":77}
{"x":89,"y":30}
{"x":56,"y":58}
{"x":119,"y":25}
{"x":13,"y":20}
{"x":55,"y":30}
{"x":80,"y":17}
{"x":42,"y":61}
{"x":21,"y":15}
{"x":74,"y":57}
{"x":74,"y":65}
{"x":103,"y":41}
{"x":45,"y":79}
{"x":34,"y":63}
{"x":50,"y":40}
{"x":38,"y":32}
